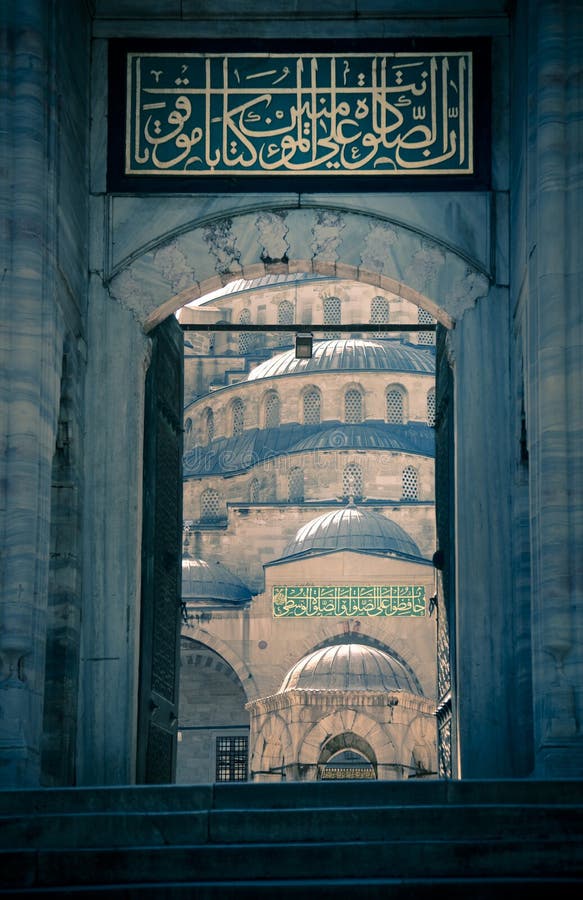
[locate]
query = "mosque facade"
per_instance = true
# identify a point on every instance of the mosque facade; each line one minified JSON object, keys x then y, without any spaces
{"x":309,"y":532}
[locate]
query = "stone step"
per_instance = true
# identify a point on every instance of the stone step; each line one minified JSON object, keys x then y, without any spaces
{"x":242,"y":862}
{"x":327,"y":889}
{"x":339,"y":824}
{"x":287,"y":796}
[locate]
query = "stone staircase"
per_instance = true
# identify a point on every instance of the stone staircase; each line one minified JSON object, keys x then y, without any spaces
{"x":406,"y":839}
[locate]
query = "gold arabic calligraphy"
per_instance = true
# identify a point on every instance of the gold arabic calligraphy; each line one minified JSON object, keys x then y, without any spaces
{"x":283,"y":114}
{"x":309,"y":601}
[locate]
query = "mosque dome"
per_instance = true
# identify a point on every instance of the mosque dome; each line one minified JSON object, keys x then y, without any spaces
{"x":348,"y":667}
{"x":351,"y":528}
{"x":202,"y":580}
{"x":350,"y":355}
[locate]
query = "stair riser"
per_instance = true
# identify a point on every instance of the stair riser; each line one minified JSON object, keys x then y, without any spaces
{"x":435,"y":860}
{"x":280,"y":826}
{"x":569,"y":889}
{"x":286,"y":796}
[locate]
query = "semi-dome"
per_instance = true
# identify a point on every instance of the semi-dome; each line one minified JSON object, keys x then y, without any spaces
{"x":202,"y":580}
{"x":351,"y":354}
{"x":349,"y":667}
{"x":351,"y":528}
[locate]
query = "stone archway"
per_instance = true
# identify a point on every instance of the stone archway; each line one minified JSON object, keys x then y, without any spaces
{"x":175,"y":268}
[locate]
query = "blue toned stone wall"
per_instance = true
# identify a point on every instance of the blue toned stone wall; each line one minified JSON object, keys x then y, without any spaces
{"x":547,"y":171}
{"x":43,"y":216}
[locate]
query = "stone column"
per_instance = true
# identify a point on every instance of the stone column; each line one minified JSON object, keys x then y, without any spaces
{"x":31,"y":356}
{"x":554,"y":373}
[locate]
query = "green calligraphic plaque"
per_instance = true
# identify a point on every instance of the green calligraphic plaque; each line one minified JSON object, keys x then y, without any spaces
{"x":220,"y":114}
{"x":313,"y":601}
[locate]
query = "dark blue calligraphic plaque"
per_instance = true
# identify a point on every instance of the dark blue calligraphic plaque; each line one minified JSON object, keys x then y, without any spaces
{"x":217,"y":114}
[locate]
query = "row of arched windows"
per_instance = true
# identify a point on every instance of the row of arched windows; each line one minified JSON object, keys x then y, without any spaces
{"x":212,"y":505}
{"x":332,"y":315}
{"x":395,"y":410}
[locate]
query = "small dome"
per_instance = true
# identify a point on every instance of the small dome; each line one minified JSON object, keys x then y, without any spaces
{"x":202,"y":580}
{"x":348,"y":667}
{"x":351,"y":528}
{"x":351,"y":354}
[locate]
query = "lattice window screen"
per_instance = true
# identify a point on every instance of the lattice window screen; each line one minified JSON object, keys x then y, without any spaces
{"x":312,"y":407}
{"x":238,"y":412}
{"x":332,"y":316}
{"x":353,"y":407}
{"x":296,"y":485}
{"x":211,"y":507}
{"x":272,"y":411}
{"x":431,"y":407}
{"x":395,"y":406}
{"x":409,"y":490}
{"x":352,"y":481}
{"x":379,"y":314}
{"x":425,"y":318}
{"x":245,"y":337}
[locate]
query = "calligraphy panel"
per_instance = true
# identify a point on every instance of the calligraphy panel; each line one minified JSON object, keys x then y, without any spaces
{"x":314,"y":601}
{"x":217,"y":114}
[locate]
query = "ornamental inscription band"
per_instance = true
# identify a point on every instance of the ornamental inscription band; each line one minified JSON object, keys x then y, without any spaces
{"x":307,"y":601}
{"x":280,"y":114}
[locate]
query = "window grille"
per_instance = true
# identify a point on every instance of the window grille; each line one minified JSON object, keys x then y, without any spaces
{"x":312,"y":407}
{"x":210,"y":506}
{"x":296,"y":485}
{"x":409,"y":488}
{"x":245,"y":337}
{"x":395,"y":406}
{"x":431,"y":407}
{"x":231,"y":758}
{"x":379,"y":314}
{"x":272,"y":408}
{"x":353,"y":407}
{"x":285,"y":316}
{"x":352,"y":481}
{"x":210,"y":426}
{"x":254,"y":491}
{"x":425,"y":318}
{"x":238,"y":412}
{"x":332,"y":316}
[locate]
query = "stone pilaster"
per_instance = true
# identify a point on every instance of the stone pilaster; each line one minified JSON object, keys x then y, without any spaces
{"x":554,"y":375}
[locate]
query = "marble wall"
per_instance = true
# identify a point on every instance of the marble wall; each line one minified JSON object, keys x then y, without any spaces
{"x":515,"y":321}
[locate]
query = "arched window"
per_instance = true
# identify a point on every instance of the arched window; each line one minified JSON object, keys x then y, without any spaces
{"x":272,"y":410}
{"x":409,"y":490}
{"x":245,"y":337}
{"x":209,"y":426}
{"x":431,"y":407}
{"x":352,"y":407}
{"x":211,"y":506}
{"x":352,"y":481}
{"x":254,"y":491}
{"x":188,"y":425}
{"x":238,"y":417}
{"x":425,"y":318}
{"x":332,"y":315}
{"x":296,"y":485}
{"x":395,"y":406}
{"x":379,"y":314}
{"x":312,"y":407}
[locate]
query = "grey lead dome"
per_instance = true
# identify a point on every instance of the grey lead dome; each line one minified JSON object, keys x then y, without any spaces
{"x":351,"y":354}
{"x":351,"y":528}
{"x":348,"y":667}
